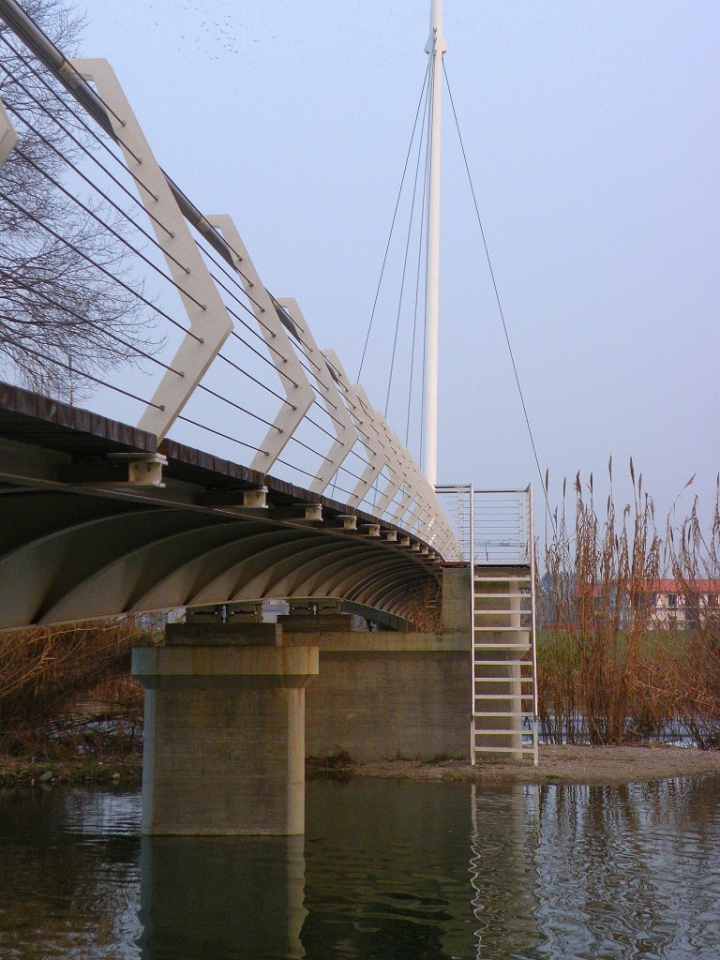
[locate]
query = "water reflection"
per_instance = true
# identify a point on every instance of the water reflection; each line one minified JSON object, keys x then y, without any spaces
{"x":500,"y":869}
{"x":387,"y":870}
{"x":222,"y":898}
{"x":68,"y":874}
{"x":629,"y":871}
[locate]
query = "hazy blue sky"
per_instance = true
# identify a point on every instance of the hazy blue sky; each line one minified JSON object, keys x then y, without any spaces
{"x":592,"y":133}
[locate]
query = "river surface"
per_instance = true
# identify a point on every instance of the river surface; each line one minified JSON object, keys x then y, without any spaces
{"x":388,"y":869}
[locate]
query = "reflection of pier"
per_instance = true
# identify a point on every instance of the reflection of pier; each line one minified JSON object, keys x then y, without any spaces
{"x":220,"y":897}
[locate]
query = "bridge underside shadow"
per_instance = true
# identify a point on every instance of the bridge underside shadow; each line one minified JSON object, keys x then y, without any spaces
{"x":80,"y":538}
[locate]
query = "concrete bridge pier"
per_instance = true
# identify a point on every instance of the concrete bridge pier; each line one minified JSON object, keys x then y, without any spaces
{"x":224,"y":750}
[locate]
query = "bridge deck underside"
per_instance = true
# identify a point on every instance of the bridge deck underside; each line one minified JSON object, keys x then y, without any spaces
{"x":73,"y":548}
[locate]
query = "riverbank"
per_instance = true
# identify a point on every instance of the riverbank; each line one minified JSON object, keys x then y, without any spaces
{"x":27,"y":771}
{"x":558,"y":764}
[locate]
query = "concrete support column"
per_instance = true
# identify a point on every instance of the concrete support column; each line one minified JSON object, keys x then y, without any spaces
{"x":224,"y":750}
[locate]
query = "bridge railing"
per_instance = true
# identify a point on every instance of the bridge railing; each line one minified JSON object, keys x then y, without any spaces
{"x":497,"y":522}
{"x":169,"y":325}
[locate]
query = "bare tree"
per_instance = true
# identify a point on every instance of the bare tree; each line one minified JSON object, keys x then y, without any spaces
{"x":68,"y":303}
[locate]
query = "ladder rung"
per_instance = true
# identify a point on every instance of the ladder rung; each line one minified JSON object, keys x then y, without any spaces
{"x":514,"y":629}
{"x":479,"y":647}
{"x":481,"y":579}
{"x":502,"y":733}
{"x":523,"y":716}
{"x":503,"y":749}
{"x":503,"y":663}
{"x":477,"y":679}
{"x":497,"y":595}
{"x":502,"y":696}
{"x":505,"y":613}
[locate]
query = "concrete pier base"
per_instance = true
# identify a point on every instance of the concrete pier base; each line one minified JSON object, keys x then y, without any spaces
{"x":224,"y":750}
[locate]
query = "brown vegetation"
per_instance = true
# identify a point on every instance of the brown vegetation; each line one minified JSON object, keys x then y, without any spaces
{"x":65,"y":692}
{"x":608,"y":672}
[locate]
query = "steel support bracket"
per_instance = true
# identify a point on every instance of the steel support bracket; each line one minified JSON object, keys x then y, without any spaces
{"x":210,"y":323}
{"x":8,"y":135}
{"x":342,"y":423}
{"x":298,"y":390}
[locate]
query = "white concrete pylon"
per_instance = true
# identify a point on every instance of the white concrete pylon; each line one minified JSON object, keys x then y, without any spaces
{"x":435,"y":49}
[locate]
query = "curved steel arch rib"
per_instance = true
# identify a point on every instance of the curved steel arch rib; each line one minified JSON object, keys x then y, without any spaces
{"x":77,"y":541}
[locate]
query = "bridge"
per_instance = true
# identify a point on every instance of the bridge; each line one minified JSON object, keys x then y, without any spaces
{"x":256,"y":470}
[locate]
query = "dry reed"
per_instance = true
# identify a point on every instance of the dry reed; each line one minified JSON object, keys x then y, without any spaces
{"x":60,"y":685}
{"x":608,"y":671}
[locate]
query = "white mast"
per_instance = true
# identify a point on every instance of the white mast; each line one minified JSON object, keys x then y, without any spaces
{"x":435,"y":49}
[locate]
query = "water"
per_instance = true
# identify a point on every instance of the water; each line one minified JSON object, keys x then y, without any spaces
{"x":388,"y":870}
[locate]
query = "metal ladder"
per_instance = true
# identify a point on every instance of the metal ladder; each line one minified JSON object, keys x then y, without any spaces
{"x":502,"y":596}
{"x":495,"y":532}
{"x":503,"y":661}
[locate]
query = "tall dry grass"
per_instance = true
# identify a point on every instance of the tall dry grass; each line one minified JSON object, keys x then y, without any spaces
{"x":607,"y":672}
{"x":46,"y":673}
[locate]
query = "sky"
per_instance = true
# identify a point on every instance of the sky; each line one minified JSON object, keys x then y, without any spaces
{"x":591,"y":131}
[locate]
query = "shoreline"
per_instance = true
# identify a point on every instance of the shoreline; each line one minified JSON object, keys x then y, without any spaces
{"x":565,"y":765}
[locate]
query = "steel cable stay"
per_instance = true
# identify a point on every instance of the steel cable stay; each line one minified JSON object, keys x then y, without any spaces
{"x":301,"y":358}
{"x":201,"y":386}
{"x":306,"y":356}
{"x":85,"y":320}
{"x":130,"y":245}
{"x":218,"y":433}
{"x":498,"y":300}
{"x":264,"y":386}
{"x":140,"y":352}
{"x":121,"y":162}
{"x":4,"y":196}
{"x":86,"y":126}
{"x":119,"y":237}
{"x":280,"y":355}
{"x":90,"y":155}
{"x":392,"y":224}
{"x":88,"y":376}
{"x":405,"y":261}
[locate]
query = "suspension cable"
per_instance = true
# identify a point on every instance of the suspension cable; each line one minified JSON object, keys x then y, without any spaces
{"x":405,"y":261}
{"x":499,"y":302}
{"x":392,"y":225}
{"x":97,"y":266}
